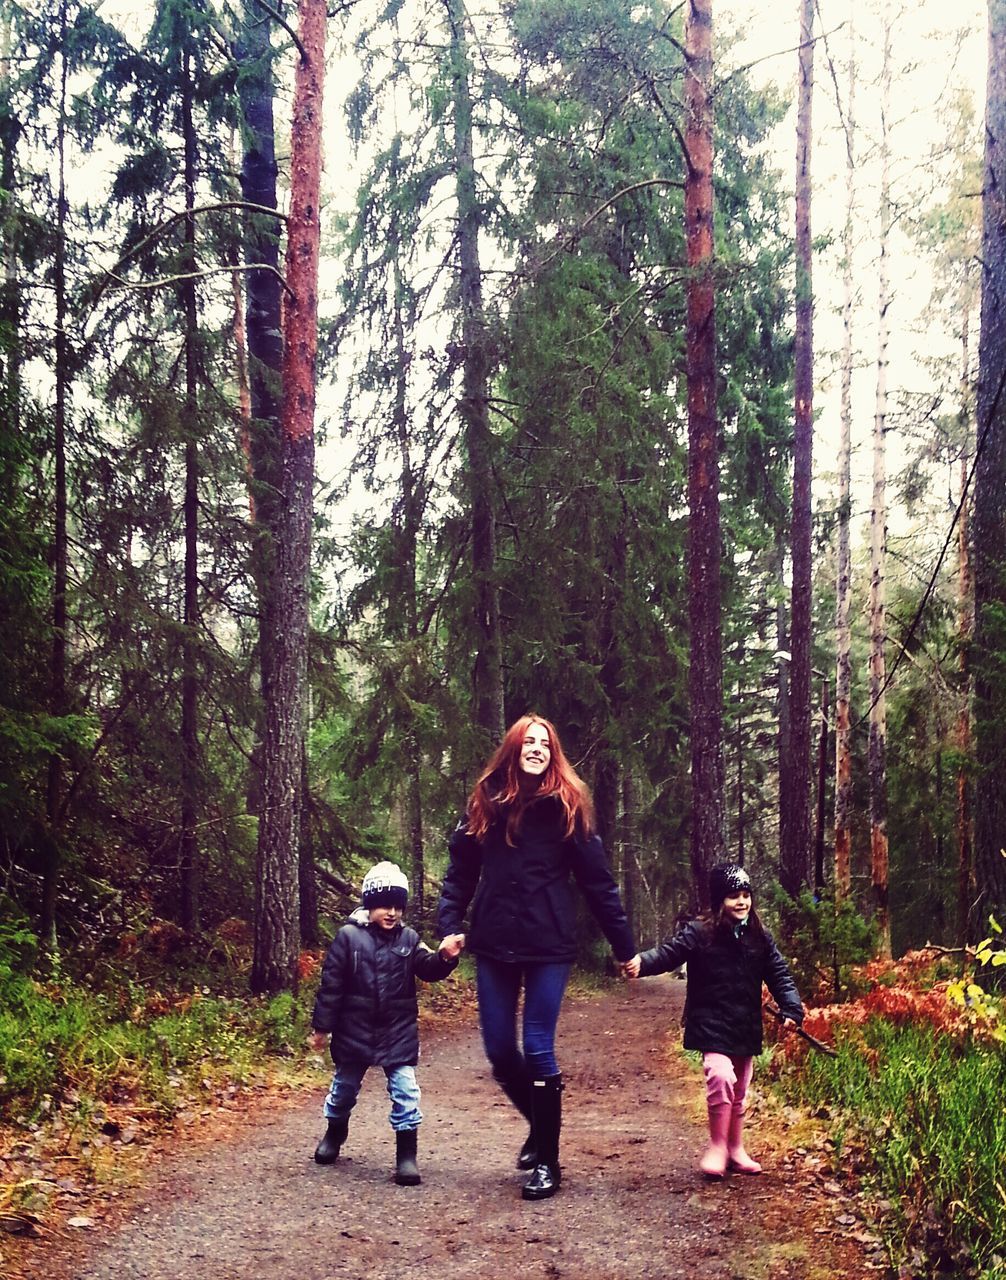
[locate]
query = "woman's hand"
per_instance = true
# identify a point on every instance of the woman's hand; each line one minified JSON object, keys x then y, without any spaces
{"x":318,"y":1040}
{"x":452,"y":945}
{"x":630,"y":969}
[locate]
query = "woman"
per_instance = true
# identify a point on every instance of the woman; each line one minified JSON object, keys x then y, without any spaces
{"x":528,"y":828}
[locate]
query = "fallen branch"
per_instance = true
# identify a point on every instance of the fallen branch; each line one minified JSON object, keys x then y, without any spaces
{"x":819,"y":1045}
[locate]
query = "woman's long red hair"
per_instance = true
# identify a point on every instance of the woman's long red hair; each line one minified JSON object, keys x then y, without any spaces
{"x":499,"y":786}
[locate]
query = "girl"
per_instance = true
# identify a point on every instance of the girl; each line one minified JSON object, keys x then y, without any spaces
{"x":527,"y":829}
{"x":729,"y":955}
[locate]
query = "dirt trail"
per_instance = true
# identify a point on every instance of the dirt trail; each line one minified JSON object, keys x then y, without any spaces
{"x":632,"y":1207}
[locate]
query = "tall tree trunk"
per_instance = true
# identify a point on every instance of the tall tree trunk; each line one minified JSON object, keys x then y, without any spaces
{"x":965,"y":630}
{"x":263,"y":309}
{"x":239,"y":329}
{"x":629,"y":845}
{"x":796,"y":783}
{"x":263,"y":287}
{"x":741,"y":852}
{"x":989,"y":511}
{"x":822,"y":769}
{"x":488,"y":673}
{"x":782,"y":616}
{"x":57,"y":665}
{"x":277,"y":898}
{"x":189,"y":851}
{"x":878,"y":548}
{"x":10,"y":294}
{"x":408,"y":534}
{"x":705,"y":682}
{"x":307,"y":881}
{"x":843,"y":585}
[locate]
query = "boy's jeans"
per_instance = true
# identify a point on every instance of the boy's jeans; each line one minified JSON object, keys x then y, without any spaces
{"x":403,"y":1089}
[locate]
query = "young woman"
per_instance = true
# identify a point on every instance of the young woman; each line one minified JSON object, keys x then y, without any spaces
{"x":527,"y":834}
{"x":729,"y":954}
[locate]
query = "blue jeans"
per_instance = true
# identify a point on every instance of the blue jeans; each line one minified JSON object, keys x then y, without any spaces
{"x":403,"y":1090}
{"x":498,"y":985}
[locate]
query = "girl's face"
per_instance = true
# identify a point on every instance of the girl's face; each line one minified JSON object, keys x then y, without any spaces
{"x":737,"y":906}
{"x":535,"y":752}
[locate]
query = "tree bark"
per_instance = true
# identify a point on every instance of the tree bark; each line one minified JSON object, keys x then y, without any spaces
{"x":843,"y":585}
{"x":965,"y":630}
{"x":286,"y":609}
{"x":989,"y":511}
{"x":57,"y":661}
{"x":878,"y":549}
{"x":629,"y":845}
{"x":822,"y":771}
{"x":406,"y":600}
{"x":793,"y":862}
{"x":263,"y":311}
{"x":704,"y":543}
{"x":10,"y":293}
{"x":488,"y":671}
{"x":188,"y":845}
{"x":307,"y":876}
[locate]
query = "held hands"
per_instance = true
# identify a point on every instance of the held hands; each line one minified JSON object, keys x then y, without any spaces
{"x":630,"y":968}
{"x":452,"y":945}
{"x":318,"y":1040}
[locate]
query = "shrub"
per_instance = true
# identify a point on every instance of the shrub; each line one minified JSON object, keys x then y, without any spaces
{"x":822,"y":940}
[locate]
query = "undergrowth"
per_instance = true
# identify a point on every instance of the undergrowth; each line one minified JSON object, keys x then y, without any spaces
{"x":115,"y":1037}
{"x":916,"y":1095}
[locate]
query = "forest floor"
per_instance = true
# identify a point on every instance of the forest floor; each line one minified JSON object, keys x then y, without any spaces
{"x":238,"y":1194}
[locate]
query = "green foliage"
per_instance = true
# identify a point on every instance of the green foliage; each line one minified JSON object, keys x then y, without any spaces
{"x":823,"y":941}
{"x":928,"y":1112}
{"x":69,"y":1041}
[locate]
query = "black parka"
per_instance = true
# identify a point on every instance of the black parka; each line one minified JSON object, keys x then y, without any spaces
{"x":367,"y":996}
{"x":521,"y":895}
{"x":725,"y":972}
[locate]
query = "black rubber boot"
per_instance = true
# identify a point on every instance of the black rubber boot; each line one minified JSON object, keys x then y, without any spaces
{"x":546,"y":1109}
{"x":327,"y":1150}
{"x":517,"y":1088}
{"x":406,"y":1169}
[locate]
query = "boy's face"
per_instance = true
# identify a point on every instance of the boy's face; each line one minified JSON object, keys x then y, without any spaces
{"x":385,"y":917}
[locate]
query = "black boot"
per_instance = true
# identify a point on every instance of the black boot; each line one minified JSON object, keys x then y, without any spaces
{"x":327,"y":1150}
{"x":546,"y":1109}
{"x":406,"y":1169}
{"x":517,"y":1088}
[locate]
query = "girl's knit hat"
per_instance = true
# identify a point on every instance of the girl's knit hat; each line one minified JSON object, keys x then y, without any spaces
{"x":726,"y":879}
{"x":384,"y":885}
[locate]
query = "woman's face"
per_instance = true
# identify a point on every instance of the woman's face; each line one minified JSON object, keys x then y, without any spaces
{"x":535,"y":752}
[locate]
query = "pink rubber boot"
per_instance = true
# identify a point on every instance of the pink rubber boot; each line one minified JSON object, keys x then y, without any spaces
{"x":738,"y":1158}
{"x":714,"y":1163}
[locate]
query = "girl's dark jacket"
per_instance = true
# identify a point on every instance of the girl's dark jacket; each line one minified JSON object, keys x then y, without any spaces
{"x":367,"y":997}
{"x":521,"y":895}
{"x":723,"y":1012}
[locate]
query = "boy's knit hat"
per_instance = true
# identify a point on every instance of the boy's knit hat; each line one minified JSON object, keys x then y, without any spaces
{"x":726,"y":879}
{"x":384,"y":885}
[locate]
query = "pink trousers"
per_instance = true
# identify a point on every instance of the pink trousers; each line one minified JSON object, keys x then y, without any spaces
{"x":727,"y":1080}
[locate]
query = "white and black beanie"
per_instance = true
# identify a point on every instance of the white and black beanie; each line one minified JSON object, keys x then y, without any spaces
{"x":385,"y":885}
{"x":726,"y":879}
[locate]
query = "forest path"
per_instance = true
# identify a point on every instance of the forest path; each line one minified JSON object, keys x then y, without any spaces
{"x":632,"y":1207}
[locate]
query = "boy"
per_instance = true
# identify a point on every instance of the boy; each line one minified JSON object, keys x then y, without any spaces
{"x":367,"y":1004}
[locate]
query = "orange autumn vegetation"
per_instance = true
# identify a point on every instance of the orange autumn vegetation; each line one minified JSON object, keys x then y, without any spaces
{"x":912,"y":991}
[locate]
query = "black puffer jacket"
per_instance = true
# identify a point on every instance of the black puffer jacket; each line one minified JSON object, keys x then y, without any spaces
{"x":521,"y":895}
{"x":725,"y":975}
{"x":367,"y":997}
